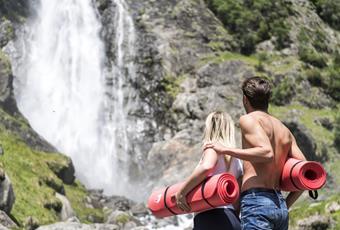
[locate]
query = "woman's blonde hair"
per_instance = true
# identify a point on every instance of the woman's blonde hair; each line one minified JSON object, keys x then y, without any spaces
{"x":219,"y":127}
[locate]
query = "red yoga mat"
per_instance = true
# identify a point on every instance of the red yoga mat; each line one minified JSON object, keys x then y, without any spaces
{"x":302,"y":175}
{"x":218,"y":190}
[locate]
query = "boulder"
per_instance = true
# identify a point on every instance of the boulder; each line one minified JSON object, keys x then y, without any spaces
{"x":7,"y":196}
{"x":6,"y":221}
{"x":79,"y":226}
{"x":31,"y":223}
{"x":315,"y":222}
{"x":65,"y":171}
{"x":123,"y":219}
{"x":139,"y":209}
{"x":66,"y":210}
{"x":333,"y":207}
{"x":3,"y":227}
{"x":325,"y":122}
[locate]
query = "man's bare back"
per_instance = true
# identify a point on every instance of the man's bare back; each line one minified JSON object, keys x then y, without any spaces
{"x":265,"y":174}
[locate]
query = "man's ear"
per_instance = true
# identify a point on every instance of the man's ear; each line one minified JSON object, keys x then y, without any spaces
{"x":245,"y":100}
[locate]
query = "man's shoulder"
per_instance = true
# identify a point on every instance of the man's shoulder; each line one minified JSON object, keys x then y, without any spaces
{"x":247,"y":120}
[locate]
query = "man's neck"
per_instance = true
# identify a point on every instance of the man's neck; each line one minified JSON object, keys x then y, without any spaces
{"x":250,"y":110}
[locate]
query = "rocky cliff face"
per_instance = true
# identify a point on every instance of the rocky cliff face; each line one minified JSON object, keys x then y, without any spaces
{"x":174,"y":81}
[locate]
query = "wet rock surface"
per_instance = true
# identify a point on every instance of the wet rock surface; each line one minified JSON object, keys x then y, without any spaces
{"x":7,"y":197}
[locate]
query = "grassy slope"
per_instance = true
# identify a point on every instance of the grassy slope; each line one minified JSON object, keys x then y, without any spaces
{"x":27,"y":169}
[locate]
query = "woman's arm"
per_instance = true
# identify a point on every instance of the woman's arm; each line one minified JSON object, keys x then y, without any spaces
{"x":207,"y":163}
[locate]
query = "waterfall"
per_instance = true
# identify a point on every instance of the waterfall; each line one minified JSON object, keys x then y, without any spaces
{"x":70,"y":96}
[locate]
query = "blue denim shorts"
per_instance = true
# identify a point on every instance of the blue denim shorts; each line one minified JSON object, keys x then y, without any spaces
{"x":263,"y":209}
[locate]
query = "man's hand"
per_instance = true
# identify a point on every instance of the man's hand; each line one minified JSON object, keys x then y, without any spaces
{"x":218,"y":147}
{"x":181,"y":202}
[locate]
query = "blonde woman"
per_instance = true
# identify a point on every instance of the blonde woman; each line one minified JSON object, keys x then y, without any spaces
{"x":219,"y":127}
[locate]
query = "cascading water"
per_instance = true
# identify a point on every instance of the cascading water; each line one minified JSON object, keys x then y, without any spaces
{"x":69,"y":95}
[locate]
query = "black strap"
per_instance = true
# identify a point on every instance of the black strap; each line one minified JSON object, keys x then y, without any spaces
{"x":167,"y":207}
{"x":290,"y":175}
{"x":202,"y":191}
{"x":313,"y":194}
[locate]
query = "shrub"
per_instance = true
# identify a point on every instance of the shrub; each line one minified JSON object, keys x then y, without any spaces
{"x":333,"y":83}
{"x":320,"y":41}
{"x":283,"y":92}
{"x":314,"y":76}
{"x":309,"y":56}
{"x":329,"y":11}
{"x":336,"y":60}
{"x":254,"y":21}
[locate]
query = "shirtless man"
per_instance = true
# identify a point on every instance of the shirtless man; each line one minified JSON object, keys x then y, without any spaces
{"x":266,"y":145}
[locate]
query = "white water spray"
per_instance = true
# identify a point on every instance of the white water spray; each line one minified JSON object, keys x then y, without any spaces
{"x":69,"y":97}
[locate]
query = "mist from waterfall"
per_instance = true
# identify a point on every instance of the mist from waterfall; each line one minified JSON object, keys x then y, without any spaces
{"x":69,"y":95}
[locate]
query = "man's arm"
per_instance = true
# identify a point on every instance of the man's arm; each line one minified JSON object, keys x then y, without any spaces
{"x":253,"y":135}
{"x":296,"y":153}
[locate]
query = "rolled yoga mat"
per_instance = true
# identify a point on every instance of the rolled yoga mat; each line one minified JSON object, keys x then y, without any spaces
{"x":218,"y":190}
{"x":302,"y":175}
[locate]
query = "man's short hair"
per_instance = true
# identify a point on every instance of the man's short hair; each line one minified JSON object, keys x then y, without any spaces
{"x":258,"y":92}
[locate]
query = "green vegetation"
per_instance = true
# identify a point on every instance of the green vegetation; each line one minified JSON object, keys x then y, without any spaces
{"x":252,"y":22}
{"x":172,"y":84}
{"x":329,"y":10}
{"x":229,"y":56}
{"x":283,"y":92}
{"x":310,"y":56}
{"x":327,"y":78}
{"x":34,"y":182}
{"x":307,"y":117}
{"x":4,"y":64}
{"x":306,"y":209}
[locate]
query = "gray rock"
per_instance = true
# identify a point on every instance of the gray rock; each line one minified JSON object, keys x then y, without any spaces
{"x":118,"y":203}
{"x":2,"y":174}
{"x":64,"y":172}
{"x":129,"y":225}
{"x":78,"y":226}
{"x":31,"y":223}
{"x":66,"y":210}
{"x":315,"y":222}
{"x":139,"y":210}
{"x":3,"y":227}
{"x":122,"y":219}
{"x":333,"y":207}
{"x":1,"y":151}
{"x":6,"y":221}
{"x":325,"y":122}
{"x":73,"y":219}
{"x":140,"y":228}
{"x":7,"y":196}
